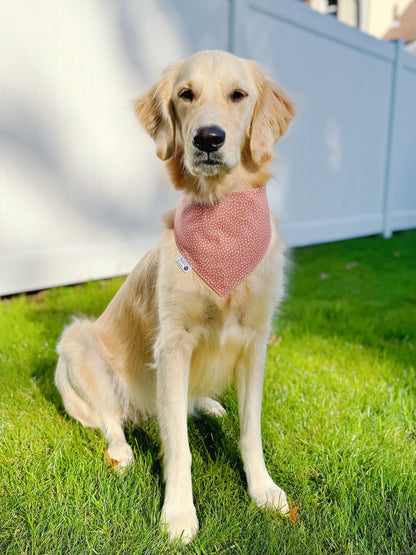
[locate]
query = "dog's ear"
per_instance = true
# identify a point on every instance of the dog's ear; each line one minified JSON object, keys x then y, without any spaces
{"x":272,"y":115}
{"x":155,"y":112}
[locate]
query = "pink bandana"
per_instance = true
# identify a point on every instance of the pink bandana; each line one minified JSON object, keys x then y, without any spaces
{"x":223,"y":242}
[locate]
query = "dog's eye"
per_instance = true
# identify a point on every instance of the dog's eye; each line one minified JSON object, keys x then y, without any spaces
{"x":187,"y":94}
{"x":237,"y":95}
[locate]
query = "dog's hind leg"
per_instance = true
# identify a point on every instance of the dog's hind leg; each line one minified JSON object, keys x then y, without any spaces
{"x":91,"y":392}
{"x":119,"y":453}
{"x":209,"y":406}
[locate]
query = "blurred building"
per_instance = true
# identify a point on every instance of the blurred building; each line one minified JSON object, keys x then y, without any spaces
{"x":404,"y":27}
{"x":384,"y":19}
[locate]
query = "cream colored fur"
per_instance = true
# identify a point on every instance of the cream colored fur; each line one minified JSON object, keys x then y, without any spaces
{"x":166,"y":341}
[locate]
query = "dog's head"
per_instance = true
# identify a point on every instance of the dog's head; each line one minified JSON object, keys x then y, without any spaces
{"x":218,"y":111}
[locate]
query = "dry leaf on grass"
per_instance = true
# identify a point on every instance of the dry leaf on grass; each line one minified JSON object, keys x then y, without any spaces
{"x":274,"y":340}
{"x":111,"y":462}
{"x":294,"y":514}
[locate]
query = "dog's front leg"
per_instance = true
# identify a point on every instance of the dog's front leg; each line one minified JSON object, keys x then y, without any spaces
{"x":173,"y":359}
{"x":249,"y":378}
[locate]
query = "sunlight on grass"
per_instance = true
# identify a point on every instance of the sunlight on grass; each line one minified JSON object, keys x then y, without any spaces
{"x":339,"y":425}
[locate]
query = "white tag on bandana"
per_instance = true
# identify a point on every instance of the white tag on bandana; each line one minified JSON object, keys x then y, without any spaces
{"x":183,"y":264}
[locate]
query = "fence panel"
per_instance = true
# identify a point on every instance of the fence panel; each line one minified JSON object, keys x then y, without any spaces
{"x":402,"y":206}
{"x":335,"y":177}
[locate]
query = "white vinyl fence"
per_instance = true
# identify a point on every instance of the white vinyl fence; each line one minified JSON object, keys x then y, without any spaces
{"x":81,"y":189}
{"x":350,"y":159}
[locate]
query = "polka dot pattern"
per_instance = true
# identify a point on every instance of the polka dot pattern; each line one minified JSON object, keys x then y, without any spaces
{"x":225,"y":241}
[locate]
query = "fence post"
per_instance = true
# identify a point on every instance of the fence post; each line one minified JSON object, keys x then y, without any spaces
{"x":392,"y":141}
{"x":237,"y":36}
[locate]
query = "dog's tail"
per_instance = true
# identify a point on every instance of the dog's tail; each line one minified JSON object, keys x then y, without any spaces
{"x":65,"y":381}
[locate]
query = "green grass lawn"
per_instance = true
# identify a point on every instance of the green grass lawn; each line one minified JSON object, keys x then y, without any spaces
{"x":339,"y":425}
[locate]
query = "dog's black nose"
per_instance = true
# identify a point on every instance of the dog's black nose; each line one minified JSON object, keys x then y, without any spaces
{"x":209,"y":139}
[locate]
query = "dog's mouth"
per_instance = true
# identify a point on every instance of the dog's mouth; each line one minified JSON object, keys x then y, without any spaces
{"x":209,"y":163}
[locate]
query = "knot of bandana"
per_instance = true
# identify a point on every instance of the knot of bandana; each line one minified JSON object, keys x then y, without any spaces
{"x":223,"y":242}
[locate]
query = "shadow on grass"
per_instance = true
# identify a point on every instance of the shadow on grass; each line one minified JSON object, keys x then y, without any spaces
{"x":43,"y":372}
{"x":52,"y":322}
{"x":209,"y":439}
{"x":356,"y":293}
{"x":208,"y":442}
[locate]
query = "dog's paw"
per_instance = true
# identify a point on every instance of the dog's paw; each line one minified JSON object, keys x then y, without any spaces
{"x":180,"y":523}
{"x":119,"y":458}
{"x":272,"y":497}
{"x":209,"y":406}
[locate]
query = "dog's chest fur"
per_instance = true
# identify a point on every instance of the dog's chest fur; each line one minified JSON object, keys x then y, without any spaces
{"x":216,"y":329}
{"x":219,"y":338}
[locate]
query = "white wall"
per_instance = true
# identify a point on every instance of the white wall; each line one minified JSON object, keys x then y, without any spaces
{"x":81,"y":190}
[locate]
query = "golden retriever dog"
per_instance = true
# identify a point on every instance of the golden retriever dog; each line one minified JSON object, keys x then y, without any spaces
{"x":173,"y":336}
